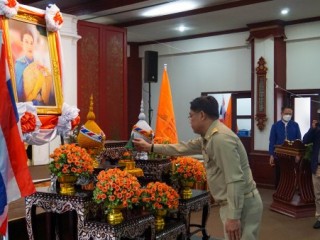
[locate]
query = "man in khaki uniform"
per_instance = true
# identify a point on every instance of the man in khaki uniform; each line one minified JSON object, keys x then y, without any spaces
{"x":229,"y":175}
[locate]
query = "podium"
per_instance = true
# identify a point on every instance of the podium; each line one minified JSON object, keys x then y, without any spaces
{"x":294,"y":196}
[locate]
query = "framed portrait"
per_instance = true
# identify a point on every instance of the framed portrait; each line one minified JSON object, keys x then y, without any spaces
{"x":33,"y":60}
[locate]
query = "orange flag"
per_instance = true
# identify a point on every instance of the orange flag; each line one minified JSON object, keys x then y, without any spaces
{"x":166,"y":123}
{"x":228,"y":115}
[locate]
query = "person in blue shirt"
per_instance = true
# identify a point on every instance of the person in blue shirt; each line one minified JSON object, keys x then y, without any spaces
{"x":284,"y":129}
{"x":313,"y":136}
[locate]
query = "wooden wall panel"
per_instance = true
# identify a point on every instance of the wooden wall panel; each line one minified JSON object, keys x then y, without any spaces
{"x":88,"y":69}
{"x":113,"y":85}
{"x":135,"y":85}
{"x":263,"y":173}
{"x":102,"y":71}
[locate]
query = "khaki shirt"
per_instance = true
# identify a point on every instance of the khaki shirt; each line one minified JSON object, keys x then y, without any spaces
{"x":229,"y":175}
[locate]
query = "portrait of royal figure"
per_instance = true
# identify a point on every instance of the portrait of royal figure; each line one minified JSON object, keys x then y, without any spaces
{"x":32,"y":68}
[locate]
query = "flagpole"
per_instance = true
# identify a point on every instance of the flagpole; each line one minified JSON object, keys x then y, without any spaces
{"x":150,"y":109}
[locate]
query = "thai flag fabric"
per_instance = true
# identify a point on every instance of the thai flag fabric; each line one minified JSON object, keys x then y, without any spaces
{"x":15,"y":178}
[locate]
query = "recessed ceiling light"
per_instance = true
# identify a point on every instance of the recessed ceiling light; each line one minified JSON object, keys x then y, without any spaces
{"x":285,"y":11}
{"x":182,"y":28}
{"x":170,"y":8}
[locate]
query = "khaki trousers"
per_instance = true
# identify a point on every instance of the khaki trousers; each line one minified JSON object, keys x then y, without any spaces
{"x":250,"y":217}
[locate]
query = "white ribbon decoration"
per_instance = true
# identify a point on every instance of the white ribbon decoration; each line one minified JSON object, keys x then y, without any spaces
{"x":51,"y":12}
{"x":42,"y":136}
{"x":69,"y":113}
{"x":8,"y":11}
{"x":38,"y":136}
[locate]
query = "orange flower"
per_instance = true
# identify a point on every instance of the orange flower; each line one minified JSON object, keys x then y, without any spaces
{"x":188,"y":169}
{"x":28,"y":122}
{"x":120,"y":187}
{"x":126,"y":155}
{"x":58,"y":18}
{"x":159,"y":195}
{"x":11,"y":3}
{"x":69,"y":158}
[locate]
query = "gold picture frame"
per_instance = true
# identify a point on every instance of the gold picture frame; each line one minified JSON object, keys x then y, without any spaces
{"x":33,"y":61}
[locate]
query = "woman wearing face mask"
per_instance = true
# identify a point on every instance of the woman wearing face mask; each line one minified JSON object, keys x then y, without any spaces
{"x":284,"y":129}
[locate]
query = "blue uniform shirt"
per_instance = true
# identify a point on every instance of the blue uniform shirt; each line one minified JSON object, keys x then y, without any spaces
{"x":279,"y":134}
{"x":20,"y":66}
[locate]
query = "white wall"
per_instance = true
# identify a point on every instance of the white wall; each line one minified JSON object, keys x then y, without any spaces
{"x":303,"y":51}
{"x":69,"y":37}
{"x":211,"y":64}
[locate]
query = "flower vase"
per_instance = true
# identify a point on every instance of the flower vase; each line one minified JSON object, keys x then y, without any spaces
{"x":186,"y":191}
{"x":115,"y":216}
{"x":159,"y":219}
{"x":67,"y":183}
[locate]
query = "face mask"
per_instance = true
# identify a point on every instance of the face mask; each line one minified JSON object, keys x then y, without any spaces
{"x":286,"y":118}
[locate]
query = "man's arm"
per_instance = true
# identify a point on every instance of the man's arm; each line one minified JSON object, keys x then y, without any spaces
{"x":298,"y":132}
{"x":272,"y":139}
{"x":191,"y":147}
{"x":183,"y":148}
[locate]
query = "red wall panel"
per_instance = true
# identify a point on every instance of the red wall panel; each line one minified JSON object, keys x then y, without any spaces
{"x":102,"y":71}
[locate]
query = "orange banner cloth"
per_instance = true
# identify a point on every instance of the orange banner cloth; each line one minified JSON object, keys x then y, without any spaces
{"x":50,"y":121}
{"x":166,"y":123}
{"x":228,"y":115}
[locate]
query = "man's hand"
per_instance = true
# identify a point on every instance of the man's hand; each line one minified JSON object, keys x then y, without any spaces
{"x":233,"y":229}
{"x":271,"y":161}
{"x":141,"y":145}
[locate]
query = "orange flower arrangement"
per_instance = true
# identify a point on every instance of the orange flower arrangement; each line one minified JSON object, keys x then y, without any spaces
{"x":188,"y":169}
{"x":157,"y":195}
{"x":116,"y":188}
{"x":161,"y":140}
{"x":127,"y":155}
{"x":71,"y":159}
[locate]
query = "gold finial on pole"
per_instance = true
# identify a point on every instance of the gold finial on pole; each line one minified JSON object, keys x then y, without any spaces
{"x":91,"y":115}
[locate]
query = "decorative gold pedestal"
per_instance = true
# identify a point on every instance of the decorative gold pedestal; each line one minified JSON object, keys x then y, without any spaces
{"x":67,"y":183}
{"x":186,"y":191}
{"x":130,"y":167}
{"x":115,"y":216}
{"x":128,"y":164}
{"x":159,"y":221}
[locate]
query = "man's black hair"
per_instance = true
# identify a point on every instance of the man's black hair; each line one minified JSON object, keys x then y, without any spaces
{"x":207,"y":104}
{"x":284,"y":107}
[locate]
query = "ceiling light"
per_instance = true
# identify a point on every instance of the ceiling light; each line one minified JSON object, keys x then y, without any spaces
{"x":170,"y":8}
{"x":285,"y":11}
{"x":182,"y":28}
